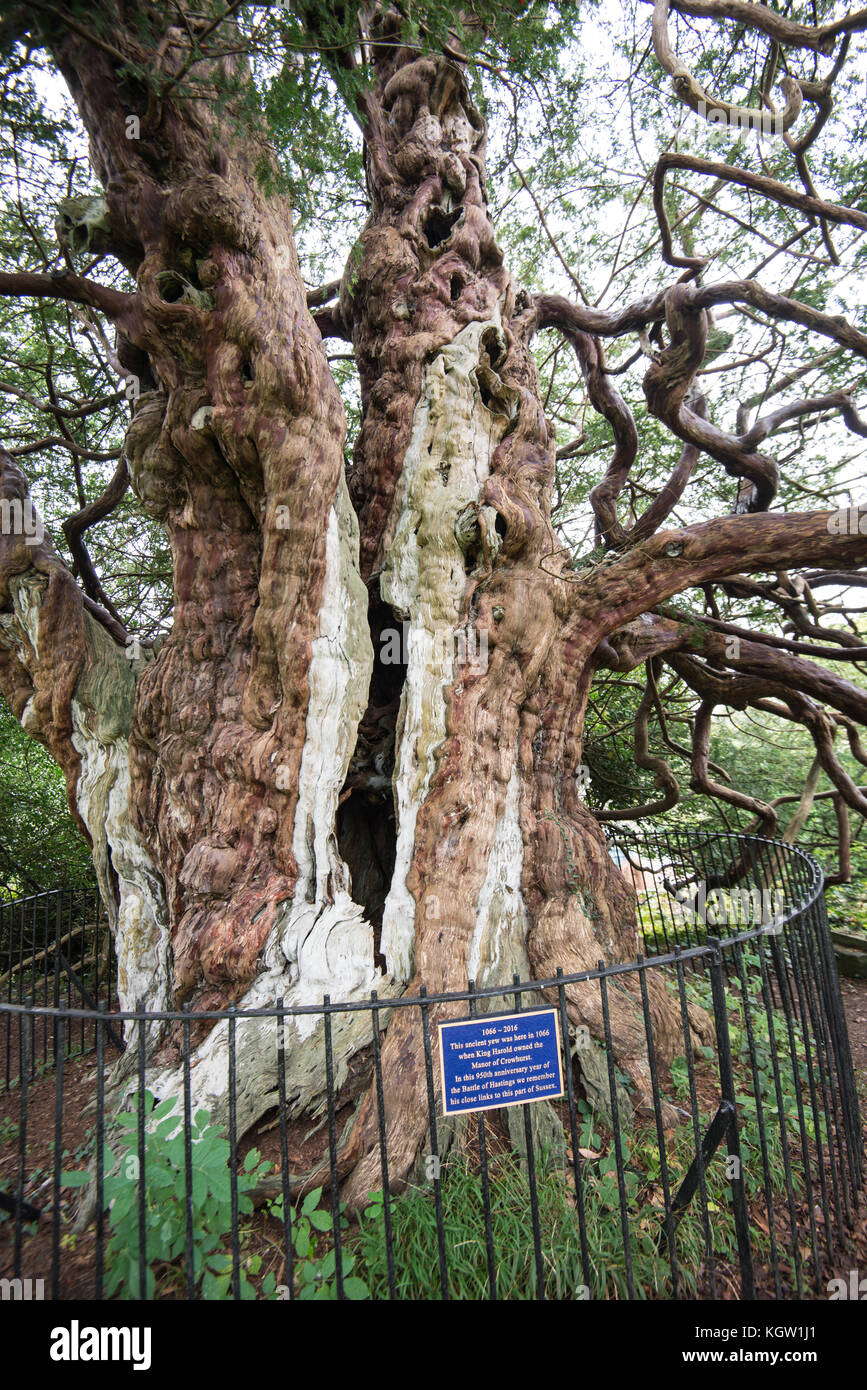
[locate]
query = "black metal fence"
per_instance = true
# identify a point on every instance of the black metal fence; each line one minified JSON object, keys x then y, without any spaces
{"x":738,"y":1176}
{"x":56,"y":950}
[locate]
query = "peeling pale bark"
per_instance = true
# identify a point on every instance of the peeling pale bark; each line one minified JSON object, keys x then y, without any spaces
{"x":101,"y":712}
{"x":424,"y":579}
{"x":321,"y":942}
{"x":500,"y":869}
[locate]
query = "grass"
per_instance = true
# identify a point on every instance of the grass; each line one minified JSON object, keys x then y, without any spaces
{"x":770,"y":1120}
{"x":606,"y":1274}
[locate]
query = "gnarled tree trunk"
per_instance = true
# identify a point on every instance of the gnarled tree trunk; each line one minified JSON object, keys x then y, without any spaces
{"x":277,"y":808}
{"x":499,"y":868}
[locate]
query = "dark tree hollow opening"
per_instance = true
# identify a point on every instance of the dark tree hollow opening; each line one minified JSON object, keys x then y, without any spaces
{"x":366,"y":821}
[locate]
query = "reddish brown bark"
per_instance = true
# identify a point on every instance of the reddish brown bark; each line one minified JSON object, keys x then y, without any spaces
{"x":241,"y":398}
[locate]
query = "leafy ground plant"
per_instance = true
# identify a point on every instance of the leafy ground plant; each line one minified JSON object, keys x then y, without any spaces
{"x":315,"y":1258}
{"x":164,"y":1183}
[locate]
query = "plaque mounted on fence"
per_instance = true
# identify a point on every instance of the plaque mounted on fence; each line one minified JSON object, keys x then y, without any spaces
{"x":495,"y":1060}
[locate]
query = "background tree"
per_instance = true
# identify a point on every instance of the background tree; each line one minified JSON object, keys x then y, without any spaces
{"x":40,"y":846}
{"x":277,"y":807}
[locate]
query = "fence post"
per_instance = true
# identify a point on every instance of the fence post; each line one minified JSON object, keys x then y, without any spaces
{"x":829,"y":984}
{"x":727,"y":1088}
{"x":58,"y":929}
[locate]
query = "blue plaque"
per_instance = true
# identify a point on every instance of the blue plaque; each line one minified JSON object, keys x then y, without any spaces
{"x":500,"y":1059}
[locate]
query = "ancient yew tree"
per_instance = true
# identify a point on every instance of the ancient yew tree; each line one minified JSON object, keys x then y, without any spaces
{"x":278,"y":806}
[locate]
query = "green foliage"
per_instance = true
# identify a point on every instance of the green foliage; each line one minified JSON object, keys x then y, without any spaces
{"x":847,"y":902}
{"x":9,"y":1130}
{"x":41,"y":846}
{"x":165,"y":1186}
{"x":415,"y":1237}
{"x":781,"y":1112}
{"x":165,"y":1198}
{"x":315,"y":1256}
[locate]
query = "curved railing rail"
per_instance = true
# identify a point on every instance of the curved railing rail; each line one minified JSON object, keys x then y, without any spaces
{"x":738,"y":1168}
{"x":693,"y":885}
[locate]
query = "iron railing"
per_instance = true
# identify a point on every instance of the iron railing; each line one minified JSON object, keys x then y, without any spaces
{"x":56,"y":951}
{"x":752,"y":1192}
